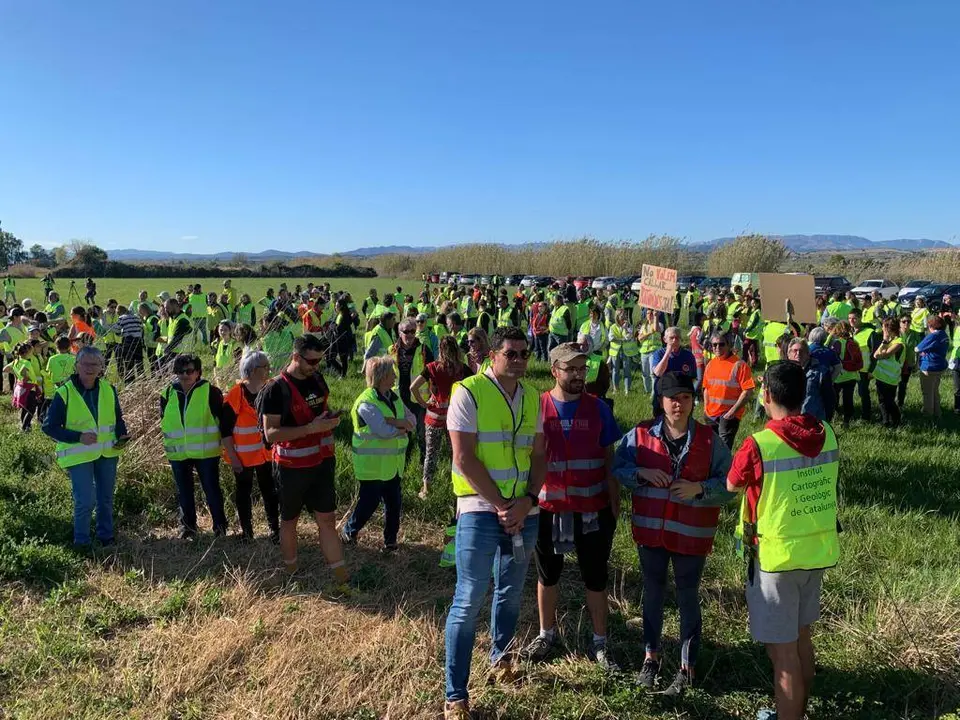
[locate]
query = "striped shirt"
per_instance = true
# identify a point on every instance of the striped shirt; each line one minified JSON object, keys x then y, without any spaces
{"x":130,"y":326}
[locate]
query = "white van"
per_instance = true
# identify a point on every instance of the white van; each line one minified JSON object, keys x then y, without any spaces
{"x":745,"y":280}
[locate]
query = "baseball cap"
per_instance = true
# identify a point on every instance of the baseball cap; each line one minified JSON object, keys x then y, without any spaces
{"x":565,"y":352}
{"x":164,"y":296}
{"x":422,"y":317}
{"x":674,"y":383}
{"x":33,"y":327}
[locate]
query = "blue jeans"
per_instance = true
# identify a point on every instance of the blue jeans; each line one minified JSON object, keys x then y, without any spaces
{"x":622,"y":367}
{"x":371,"y":492}
{"x":483,"y":547}
{"x":208,"y":469}
{"x":646,"y":372}
{"x":687,"y":570}
{"x":93,"y":484}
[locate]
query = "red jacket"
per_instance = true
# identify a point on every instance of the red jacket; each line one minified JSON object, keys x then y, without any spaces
{"x":659,"y":520}
{"x":576,"y":479}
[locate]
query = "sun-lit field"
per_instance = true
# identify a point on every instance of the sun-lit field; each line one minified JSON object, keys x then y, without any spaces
{"x":161,"y":629}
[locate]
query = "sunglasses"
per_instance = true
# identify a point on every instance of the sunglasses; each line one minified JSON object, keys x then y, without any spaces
{"x":719,"y":344}
{"x":311,"y":361}
{"x":407,"y":332}
{"x":515,"y":354}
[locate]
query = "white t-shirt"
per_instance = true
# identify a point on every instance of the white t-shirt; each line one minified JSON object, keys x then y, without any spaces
{"x":462,"y":417}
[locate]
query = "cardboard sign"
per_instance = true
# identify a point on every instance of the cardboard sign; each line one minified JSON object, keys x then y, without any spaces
{"x":776,"y":289}
{"x":658,"y":288}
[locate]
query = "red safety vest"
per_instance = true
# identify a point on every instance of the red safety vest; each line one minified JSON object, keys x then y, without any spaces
{"x":246,"y":431}
{"x":308,"y":451}
{"x":576,"y":479}
{"x":658,"y":519}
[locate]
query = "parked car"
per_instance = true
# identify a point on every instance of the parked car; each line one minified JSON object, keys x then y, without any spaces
{"x":886,"y":288}
{"x":933,"y":295}
{"x":716,"y":283}
{"x":911,"y":288}
{"x":685,"y":281}
{"x":829,"y":284}
{"x":485,"y":280}
{"x":513,"y":279}
{"x":603,"y":282}
{"x":536,"y":281}
{"x":468,"y":280}
{"x":582,"y":282}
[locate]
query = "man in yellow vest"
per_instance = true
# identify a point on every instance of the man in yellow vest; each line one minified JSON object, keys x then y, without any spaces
{"x":787,"y":531}
{"x":84,"y":418}
{"x":190,"y":410}
{"x":496,"y":436}
{"x":196,"y":308}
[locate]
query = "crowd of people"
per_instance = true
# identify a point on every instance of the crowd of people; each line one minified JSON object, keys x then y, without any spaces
{"x":535,"y":475}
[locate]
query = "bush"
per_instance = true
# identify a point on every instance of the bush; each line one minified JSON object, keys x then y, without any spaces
{"x":747,"y":253}
{"x":115,"y":269}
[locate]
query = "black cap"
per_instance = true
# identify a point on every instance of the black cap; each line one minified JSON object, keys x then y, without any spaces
{"x":674,"y":383}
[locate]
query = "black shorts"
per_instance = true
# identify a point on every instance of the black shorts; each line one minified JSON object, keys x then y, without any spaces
{"x":312,"y":488}
{"x":593,"y":550}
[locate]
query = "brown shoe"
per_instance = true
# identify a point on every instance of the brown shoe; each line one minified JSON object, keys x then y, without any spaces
{"x":457,"y":710}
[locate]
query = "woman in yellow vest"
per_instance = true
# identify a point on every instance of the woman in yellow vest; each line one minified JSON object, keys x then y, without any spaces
{"x":381,"y":423}
{"x":918,"y":318}
{"x":85,"y":419}
{"x":851,"y":362}
{"x":227,"y":354}
{"x":890,"y":357}
{"x":623,"y":351}
{"x":190,"y":410}
{"x":649,"y":339}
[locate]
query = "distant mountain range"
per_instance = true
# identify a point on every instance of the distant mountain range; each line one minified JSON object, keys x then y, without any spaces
{"x":797,"y":243}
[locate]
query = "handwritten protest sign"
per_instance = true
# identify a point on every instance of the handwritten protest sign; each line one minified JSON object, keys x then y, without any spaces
{"x":777,"y":288}
{"x":658,"y":288}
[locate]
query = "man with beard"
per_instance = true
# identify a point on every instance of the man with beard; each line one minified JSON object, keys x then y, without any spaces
{"x":579,"y":500}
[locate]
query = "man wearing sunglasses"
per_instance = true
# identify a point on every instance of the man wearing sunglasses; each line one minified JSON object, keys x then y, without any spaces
{"x":299,"y":425}
{"x":190,"y":409}
{"x":497,"y":443}
{"x":727,"y":385}
{"x":579,"y":500}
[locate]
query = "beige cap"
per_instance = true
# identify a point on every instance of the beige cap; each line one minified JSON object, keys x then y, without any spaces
{"x":565,"y":352}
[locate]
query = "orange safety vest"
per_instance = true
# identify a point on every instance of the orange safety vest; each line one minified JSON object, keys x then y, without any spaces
{"x":721,"y":389}
{"x":247,"y":439}
{"x":311,"y":321}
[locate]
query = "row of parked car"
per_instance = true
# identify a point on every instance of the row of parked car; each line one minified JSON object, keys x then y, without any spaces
{"x":930,"y":291}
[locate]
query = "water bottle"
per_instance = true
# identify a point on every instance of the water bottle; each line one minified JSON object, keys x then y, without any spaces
{"x":519,"y":552}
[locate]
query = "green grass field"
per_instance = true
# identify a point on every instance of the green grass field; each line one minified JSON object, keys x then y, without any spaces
{"x":159,"y":629}
{"x":126,"y":289}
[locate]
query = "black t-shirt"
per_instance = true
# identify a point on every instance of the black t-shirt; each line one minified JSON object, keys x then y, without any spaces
{"x":674,"y":447}
{"x":275,"y":398}
{"x":405,"y":365}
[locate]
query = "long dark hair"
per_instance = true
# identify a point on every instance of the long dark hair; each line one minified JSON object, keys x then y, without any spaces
{"x":449,"y":354}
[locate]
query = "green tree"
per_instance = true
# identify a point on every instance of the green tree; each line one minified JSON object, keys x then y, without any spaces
{"x":90,"y":259}
{"x":11,"y":249}
{"x":40,"y":256}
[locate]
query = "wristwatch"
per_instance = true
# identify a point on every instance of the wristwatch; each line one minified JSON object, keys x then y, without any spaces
{"x":534,"y":499}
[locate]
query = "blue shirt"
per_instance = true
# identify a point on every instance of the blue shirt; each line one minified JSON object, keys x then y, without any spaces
{"x":609,"y":430}
{"x":932,"y":351}
{"x":825,"y":356}
{"x":683,"y":362}
{"x":56,"y":418}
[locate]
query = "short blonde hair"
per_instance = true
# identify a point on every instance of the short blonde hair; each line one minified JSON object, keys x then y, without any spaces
{"x":376,"y":368}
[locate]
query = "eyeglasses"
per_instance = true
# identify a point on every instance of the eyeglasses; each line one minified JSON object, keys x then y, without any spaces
{"x":516,"y":354}
{"x":311,"y":361}
{"x":579,"y":370}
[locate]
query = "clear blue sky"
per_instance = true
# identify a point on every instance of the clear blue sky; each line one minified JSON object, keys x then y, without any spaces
{"x":241,"y":125}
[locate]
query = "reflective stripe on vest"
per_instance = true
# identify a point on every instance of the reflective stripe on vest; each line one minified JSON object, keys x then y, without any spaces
{"x":796,"y":515}
{"x":247,"y":440}
{"x":557,"y":325}
{"x":889,"y":369}
{"x":307,"y":451}
{"x":576,"y":477}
